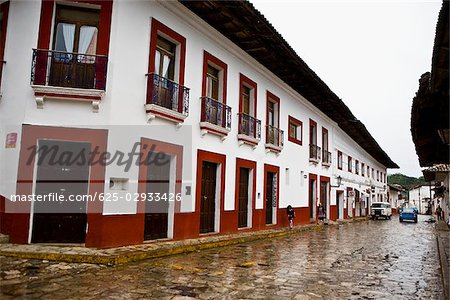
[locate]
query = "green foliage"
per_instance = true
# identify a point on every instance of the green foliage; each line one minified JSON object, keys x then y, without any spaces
{"x":405,"y":181}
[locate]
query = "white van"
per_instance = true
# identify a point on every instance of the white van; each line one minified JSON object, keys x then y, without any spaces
{"x":380,"y":209}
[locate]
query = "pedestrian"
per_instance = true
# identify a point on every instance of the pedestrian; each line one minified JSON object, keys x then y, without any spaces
{"x":291,"y":215}
{"x":321,"y":212}
{"x":439,"y":212}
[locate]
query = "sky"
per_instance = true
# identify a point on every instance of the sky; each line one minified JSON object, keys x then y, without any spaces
{"x":371,"y":54}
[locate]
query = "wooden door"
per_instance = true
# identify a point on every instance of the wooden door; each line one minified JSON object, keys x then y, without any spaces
{"x":61,"y":221}
{"x":243,"y":197}
{"x":208,"y":197}
{"x":157,"y":204}
{"x":269,"y":197}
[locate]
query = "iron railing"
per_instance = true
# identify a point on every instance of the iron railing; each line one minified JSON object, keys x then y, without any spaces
{"x":167,"y":93}
{"x":274,"y":136}
{"x":249,"y":126}
{"x":326,"y":157}
{"x":216,"y":113}
{"x":314,"y":152}
{"x":66,"y":69}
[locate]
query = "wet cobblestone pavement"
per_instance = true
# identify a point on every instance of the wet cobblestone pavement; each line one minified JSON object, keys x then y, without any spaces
{"x":367,"y":260}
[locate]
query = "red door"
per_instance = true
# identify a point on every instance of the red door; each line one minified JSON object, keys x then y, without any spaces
{"x":243,"y":197}
{"x":208,"y":197}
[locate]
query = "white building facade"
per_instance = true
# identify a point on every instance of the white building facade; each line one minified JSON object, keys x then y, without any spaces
{"x":164,"y":127}
{"x":421,"y":197}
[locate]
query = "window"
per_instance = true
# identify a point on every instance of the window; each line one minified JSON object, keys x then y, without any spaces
{"x":248,"y":96}
{"x":350,"y":162}
{"x":214,"y":78}
{"x":326,"y":155}
{"x":274,"y":135}
{"x":362,"y":169}
{"x":312,"y":132}
{"x":368,"y":171}
{"x":339,"y":160}
{"x":167,"y":53}
{"x":373,"y":173}
{"x":248,"y":124}
{"x":295,"y":130}
{"x":356,"y":167}
{"x":378,"y":175}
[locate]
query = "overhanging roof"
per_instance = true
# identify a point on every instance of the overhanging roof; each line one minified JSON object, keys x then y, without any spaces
{"x":246,"y":27}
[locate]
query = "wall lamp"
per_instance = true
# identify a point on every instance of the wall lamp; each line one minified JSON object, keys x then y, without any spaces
{"x":339,"y":181}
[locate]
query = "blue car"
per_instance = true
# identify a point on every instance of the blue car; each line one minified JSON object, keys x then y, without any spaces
{"x":409,"y":214}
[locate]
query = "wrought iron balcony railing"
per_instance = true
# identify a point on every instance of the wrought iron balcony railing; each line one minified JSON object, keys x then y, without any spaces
{"x":216,"y":113}
{"x":314,"y":152}
{"x":326,"y":157}
{"x":64,"y":69}
{"x":167,"y":93}
{"x":274,"y":136}
{"x":249,"y":126}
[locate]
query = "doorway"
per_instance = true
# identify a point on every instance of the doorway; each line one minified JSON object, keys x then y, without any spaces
{"x":324,"y":198}
{"x":66,"y":176}
{"x":156,"y":222}
{"x":271,"y":197}
{"x":208,"y":197}
{"x":244,"y":191}
{"x":312,"y":197}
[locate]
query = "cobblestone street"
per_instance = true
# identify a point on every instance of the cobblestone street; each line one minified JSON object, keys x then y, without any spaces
{"x":367,"y":260}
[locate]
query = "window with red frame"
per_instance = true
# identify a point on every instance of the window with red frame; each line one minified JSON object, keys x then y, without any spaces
{"x":378,"y":175}
{"x":339,"y":160}
{"x":350,"y":164}
{"x":362,"y":169}
{"x":356,"y":167}
{"x":248,"y":97}
{"x":214,"y":78}
{"x":295,"y":130}
{"x":368,"y":171}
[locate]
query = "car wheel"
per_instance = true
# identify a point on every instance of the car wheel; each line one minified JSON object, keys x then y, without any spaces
{"x":400,"y":219}
{"x":389,"y":217}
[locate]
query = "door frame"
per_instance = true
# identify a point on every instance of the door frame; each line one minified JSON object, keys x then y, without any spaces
{"x":175,"y":181}
{"x":314,"y":201}
{"x":251,"y":165}
{"x":220,"y":160}
{"x":272,"y":169}
{"x":340,"y":204}
{"x":328,"y":202}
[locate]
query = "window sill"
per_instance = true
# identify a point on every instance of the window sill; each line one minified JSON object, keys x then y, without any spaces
{"x":326,"y":164}
{"x":314,"y":160}
{"x":43,"y":93}
{"x":154,"y":111}
{"x":207,"y":127}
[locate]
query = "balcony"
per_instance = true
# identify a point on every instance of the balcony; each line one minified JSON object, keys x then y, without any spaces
{"x":166,"y":99}
{"x":326,"y":158}
{"x":314,"y":153}
{"x":215,"y":117}
{"x":249,"y":130}
{"x":274,"y":139}
{"x":64,"y":75}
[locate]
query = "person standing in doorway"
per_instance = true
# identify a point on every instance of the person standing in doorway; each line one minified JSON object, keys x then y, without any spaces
{"x":291,"y":215}
{"x":321,"y":213}
{"x":439,"y":212}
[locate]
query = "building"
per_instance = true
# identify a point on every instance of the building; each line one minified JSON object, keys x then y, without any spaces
{"x":395,"y":196}
{"x":421,"y":196}
{"x":168,"y":120}
{"x":430,"y":120}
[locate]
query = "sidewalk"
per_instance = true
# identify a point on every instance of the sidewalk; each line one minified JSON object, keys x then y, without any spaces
{"x":442,"y":235}
{"x":122,"y":255}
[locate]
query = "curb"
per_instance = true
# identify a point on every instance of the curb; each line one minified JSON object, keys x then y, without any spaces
{"x":132,"y":256}
{"x":444,"y":266}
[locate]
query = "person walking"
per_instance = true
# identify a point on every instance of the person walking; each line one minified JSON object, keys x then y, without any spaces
{"x":321,"y":212}
{"x":439,"y":212}
{"x":291,"y":215}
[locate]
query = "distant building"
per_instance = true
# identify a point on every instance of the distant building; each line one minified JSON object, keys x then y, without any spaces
{"x":420,"y":196}
{"x":395,"y":196}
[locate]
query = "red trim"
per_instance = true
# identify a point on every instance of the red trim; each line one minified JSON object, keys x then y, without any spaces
{"x":362,"y":169}
{"x":324,"y":130}
{"x":208,"y":58}
{"x":297,"y":123}
{"x":219,"y":159}
{"x":339,"y":154}
{"x":244,"y":80}
{"x":21,"y":210}
{"x":311,"y":124}
{"x":349,"y":164}
{"x":71,"y":96}
{"x":312,"y":177}
{"x":158,"y":27}
{"x":4,"y":9}
{"x":272,"y":169}
{"x":272,"y":98}
{"x":249,"y":164}
{"x":356,"y":166}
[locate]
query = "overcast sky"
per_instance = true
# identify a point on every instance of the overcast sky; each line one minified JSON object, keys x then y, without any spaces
{"x":371,"y":54}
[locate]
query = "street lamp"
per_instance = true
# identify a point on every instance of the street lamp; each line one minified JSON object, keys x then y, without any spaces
{"x":339,"y":181}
